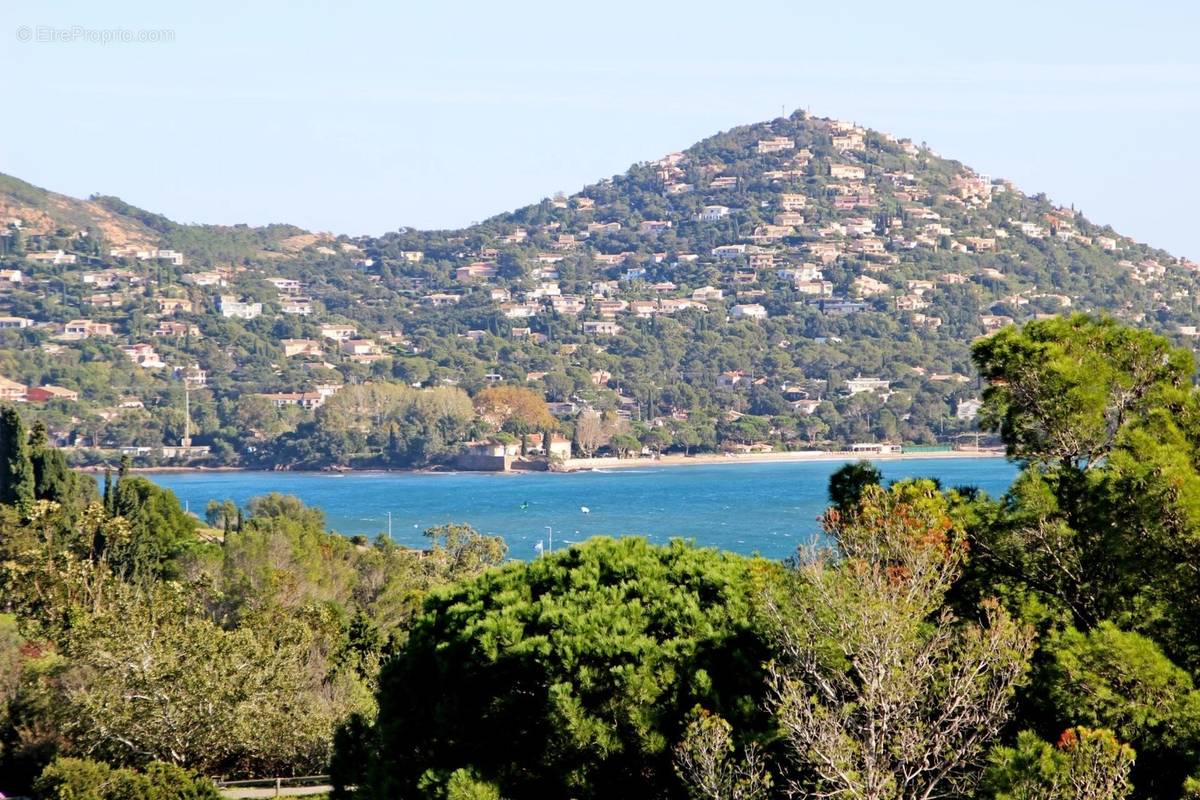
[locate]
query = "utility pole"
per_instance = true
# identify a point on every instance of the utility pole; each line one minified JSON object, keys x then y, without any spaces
{"x":389,"y":526}
{"x":187,"y":414}
{"x":551,"y":548}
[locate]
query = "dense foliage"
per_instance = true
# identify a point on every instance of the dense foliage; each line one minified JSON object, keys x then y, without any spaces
{"x":76,"y":779}
{"x":571,"y":675}
{"x":134,"y":638}
{"x":1095,"y":542}
{"x":940,"y":643}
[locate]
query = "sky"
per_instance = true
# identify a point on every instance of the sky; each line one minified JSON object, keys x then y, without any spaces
{"x":365,"y":117}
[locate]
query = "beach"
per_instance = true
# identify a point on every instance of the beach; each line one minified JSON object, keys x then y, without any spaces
{"x":711,"y":459}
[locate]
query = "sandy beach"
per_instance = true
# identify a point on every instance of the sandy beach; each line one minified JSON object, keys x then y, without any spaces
{"x":676,"y":460}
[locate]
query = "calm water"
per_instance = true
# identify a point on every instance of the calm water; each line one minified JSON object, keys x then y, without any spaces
{"x":768,"y":508}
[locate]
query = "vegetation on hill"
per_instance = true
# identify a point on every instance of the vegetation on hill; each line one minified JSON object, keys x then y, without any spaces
{"x":721,"y":298}
{"x":206,"y":244}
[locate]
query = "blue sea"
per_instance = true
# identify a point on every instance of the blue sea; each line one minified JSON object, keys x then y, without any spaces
{"x":765,"y":508}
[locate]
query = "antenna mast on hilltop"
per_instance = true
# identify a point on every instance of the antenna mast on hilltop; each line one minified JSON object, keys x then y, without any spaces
{"x":186,"y":441}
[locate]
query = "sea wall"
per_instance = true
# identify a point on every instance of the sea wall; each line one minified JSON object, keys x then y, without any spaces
{"x":481,"y":463}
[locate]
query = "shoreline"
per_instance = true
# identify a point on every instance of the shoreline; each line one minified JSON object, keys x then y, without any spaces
{"x":710,"y":459}
{"x":608,"y":463}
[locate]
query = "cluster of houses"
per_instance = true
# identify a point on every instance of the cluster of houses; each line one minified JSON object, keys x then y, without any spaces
{"x":13,"y":392}
{"x":795,"y":238}
{"x":833,"y":207}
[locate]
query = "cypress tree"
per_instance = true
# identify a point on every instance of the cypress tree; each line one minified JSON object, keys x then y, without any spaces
{"x":110,"y":494}
{"x":16,"y":471}
{"x":393,"y":445}
{"x":39,"y":438}
{"x":52,"y":478}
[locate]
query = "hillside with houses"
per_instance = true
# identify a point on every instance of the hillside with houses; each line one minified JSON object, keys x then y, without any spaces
{"x":803,"y":283}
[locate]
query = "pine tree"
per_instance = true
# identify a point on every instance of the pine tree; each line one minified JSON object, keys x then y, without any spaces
{"x":16,"y":471}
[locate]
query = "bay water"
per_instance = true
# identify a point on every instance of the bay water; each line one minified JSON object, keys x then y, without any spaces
{"x":769,"y":508}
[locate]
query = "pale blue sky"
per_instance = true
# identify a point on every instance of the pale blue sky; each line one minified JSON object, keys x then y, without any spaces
{"x":361,"y":117}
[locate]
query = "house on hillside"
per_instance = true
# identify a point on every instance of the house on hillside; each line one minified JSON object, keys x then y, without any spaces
{"x":174,"y":305}
{"x":968,"y":409}
{"x":519,"y":310}
{"x":233,"y":308}
{"x":748,"y":311}
{"x":309,"y":400}
{"x":338,"y":333}
{"x":144,"y":356}
{"x":775,"y":144}
{"x":866,"y":286}
{"x":172,"y":328}
{"x":13,"y":392}
{"x":762,"y":261}
{"x":861,"y":385}
{"x":85,"y":328}
{"x":205,"y":279}
{"x":439,"y":299}
{"x":731,"y":379}
{"x":479,"y":270}
{"x":840,"y":307}
{"x":727,"y":251}
{"x":850,"y":141}
{"x":911,"y":302}
{"x":44,"y":394}
{"x":848,"y":171}
{"x":712,"y":213}
{"x":792,"y":202}
{"x":297,"y":306}
{"x":601,"y":328}
{"x":994,"y":322}
{"x":57,"y":258}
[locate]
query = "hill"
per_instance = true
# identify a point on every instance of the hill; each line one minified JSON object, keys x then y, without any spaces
{"x":43,"y":214}
{"x":796,"y":283}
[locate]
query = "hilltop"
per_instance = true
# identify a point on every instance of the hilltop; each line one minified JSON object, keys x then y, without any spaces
{"x":796,"y":283}
{"x":43,"y":214}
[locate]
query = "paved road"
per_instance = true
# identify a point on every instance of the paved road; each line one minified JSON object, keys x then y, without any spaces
{"x":297,"y":791}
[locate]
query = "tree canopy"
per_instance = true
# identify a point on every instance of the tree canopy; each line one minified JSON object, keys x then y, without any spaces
{"x":571,"y":675}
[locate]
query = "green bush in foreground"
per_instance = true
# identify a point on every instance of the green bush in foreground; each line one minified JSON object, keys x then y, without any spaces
{"x":572,"y":676}
{"x":79,"y":779}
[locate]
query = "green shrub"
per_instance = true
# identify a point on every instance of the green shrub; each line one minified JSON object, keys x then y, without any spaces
{"x":80,"y":779}
{"x":571,"y":676}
